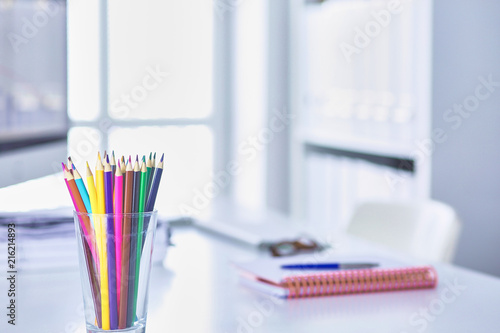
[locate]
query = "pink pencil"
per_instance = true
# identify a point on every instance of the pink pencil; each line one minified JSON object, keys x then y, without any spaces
{"x":118,"y":208}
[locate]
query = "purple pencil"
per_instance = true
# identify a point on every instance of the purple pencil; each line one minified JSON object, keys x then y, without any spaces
{"x":110,"y":233}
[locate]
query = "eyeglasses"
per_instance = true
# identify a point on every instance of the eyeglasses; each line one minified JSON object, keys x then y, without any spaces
{"x":292,"y":247}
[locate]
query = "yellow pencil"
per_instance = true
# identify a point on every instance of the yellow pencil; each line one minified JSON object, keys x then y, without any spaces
{"x":92,"y":191}
{"x":93,"y":206}
{"x":103,"y":253}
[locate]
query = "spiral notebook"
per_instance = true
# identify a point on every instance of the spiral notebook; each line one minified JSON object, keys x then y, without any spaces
{"x":267,"y":275}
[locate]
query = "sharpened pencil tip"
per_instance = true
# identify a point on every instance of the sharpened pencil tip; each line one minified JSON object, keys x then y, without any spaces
{"x":137,"y":158}
{"x":63,"y":166}
{"x":144,"y":159}
{"x":119,"y":165}
{"x":107,"y":159}
{"x":113,"y":153}
{"x":150,"y":154}
{"x":161,"y":160}
{"x":129,"y":159}
{"x":98,"y":155}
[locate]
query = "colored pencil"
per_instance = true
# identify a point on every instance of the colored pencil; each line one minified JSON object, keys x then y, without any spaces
{"x":70,"y":165}
{"x":153,"y":163}
{"x":82,"y":189}
{"x":91,"y":260}
{"x":78,"y":203}
{"x":94,"y":281}
{"x":65,"y":169}
{"x":112,"y":163}
{"x":118,"y":210}
{"x":127,"y":209}
{"x":92,"y":192}
{"x":103,"y":253}
{"x":131,"y":302}
{"x":140,"y":223}
{"x":150,"y":204}
{"x":149,"y":176}
{"x":123,"y":166}
{"x":86,"y":200}
{"x":111,"y":247}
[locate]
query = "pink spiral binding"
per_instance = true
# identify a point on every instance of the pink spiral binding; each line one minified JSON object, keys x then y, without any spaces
{"x":360,"y":281}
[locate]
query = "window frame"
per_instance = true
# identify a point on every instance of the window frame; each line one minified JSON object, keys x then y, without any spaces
{"x":218,"y":121}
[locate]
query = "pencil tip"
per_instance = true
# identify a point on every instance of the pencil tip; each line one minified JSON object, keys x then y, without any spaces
{"x":137,"y":158}
{"x":63,"y":166}
{"x":119,"y":166}
{"x":107,"y":159}
{"x":161,"y":160}
{"x":150,"y":154}
{"x":113,"y":153}
{"x":129,"y":159}
{"x":87,"y":164}
{"x":74,"y":168}
{"x":98,"y":155}
{"x":144,"y":159}
{"x":69,"y":159}
{"x":154,"y":156}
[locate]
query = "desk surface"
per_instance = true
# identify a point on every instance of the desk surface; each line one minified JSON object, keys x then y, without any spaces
{"x":197,"y":290}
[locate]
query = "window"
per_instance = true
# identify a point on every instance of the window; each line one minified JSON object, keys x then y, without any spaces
{"x":145,"y":85}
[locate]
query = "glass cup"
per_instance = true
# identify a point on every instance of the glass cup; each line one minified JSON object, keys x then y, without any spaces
{"x":115,"y":253}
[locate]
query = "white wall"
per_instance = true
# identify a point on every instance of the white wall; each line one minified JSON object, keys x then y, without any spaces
{"x":466,"y":167}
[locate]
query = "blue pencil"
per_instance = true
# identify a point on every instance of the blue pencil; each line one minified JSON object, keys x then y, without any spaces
{"x":151,"y":197}
{"x":83,"y":192}
{"x":110,"y":245}
{"x":82,"y":189}
{"x":150,"y":203}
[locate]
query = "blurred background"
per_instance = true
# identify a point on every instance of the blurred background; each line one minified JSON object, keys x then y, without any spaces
{"x":306,"y":107}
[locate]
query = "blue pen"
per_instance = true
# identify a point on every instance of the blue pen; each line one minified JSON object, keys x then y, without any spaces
{"x":330,"y":266}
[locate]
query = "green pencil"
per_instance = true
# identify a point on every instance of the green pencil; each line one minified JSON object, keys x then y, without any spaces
{"x":140,"y":224}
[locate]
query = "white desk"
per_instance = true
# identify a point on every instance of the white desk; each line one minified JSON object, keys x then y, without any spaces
{"x":198,"y":291}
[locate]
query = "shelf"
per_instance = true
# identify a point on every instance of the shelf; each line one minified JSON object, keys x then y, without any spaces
{"x":385,"y":148}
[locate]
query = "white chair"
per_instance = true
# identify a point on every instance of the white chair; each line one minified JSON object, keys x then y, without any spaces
{"x":427,"y":230}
